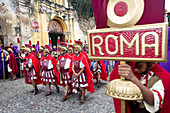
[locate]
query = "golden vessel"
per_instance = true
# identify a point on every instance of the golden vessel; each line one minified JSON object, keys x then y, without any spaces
{"x":123,"y":89}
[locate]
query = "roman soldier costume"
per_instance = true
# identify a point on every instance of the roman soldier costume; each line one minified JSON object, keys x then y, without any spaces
{"x":31,"y":69}
{"x":63,"y":65}
{"x":82,"y":77}
{"x":49,"y":71}
{"x":99,"y":71}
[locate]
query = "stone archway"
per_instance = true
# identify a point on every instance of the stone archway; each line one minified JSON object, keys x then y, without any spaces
{"x":57,"y":28}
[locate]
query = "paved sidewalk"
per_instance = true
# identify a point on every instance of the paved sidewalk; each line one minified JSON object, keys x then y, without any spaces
{"x":16,"y":97}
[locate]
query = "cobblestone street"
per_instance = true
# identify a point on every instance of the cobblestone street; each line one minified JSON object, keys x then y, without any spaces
{"x":16,"y":97}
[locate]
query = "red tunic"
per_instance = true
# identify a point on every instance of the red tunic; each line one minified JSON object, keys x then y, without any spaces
{"x":165,"y":77}
{"x":36,"y":65}
{"x":13,"y":63}
{"x":54,"y":62}
{"x":81,"y":81}
{"x":82,"y":58}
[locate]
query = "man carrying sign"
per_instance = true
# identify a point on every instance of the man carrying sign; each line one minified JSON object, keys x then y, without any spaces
{"x":153,"y":83}
{"x":148,"y":77}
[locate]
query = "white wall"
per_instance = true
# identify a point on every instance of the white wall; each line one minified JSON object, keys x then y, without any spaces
{"x":167,"y":5}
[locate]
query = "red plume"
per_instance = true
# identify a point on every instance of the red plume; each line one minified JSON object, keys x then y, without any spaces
{"x":70,"y":41}
{"x":63,"y":44}
{"x":85,"y":41}
{"x":42,"y":47}
{"x":29,"y":42}
{"x":71,"y":46}
{"x":66,"y":41}
{"x":18,"y":40}
{"x":38,"y":43}
{"x":58,"y":40}
{"x":50,"y":42}
{"x":48,"y":47}
{"x":78,"y":42}
{"x":28,"y":45}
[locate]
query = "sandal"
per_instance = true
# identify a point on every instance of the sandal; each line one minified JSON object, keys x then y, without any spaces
{"x":49,"y":93}
{"x":70,"y":92}
{"x":13,"y":79}
{"x":81,"y":101}
{"x":64,"y":97}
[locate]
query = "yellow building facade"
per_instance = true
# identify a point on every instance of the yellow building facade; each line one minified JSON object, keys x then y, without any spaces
{"x":51,"y":20}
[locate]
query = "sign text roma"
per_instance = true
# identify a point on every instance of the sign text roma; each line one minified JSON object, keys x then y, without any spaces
{"x":139,"y":43}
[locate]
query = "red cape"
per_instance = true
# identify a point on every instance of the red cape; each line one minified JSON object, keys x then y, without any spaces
{"x":36,"y":64}
{"x":84,"y":53}
{"x":54,"y":62}
{"x":82,"y":58}
{"x":13,"y":63}
{"x":34,"y":53}
{"x":165,"y":77}
{"x":103,"y":74}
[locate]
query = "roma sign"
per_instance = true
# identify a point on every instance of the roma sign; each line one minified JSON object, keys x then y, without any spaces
{"x":138,"y":43}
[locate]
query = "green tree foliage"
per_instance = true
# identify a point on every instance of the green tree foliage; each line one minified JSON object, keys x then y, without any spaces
{"x":83,"y":7}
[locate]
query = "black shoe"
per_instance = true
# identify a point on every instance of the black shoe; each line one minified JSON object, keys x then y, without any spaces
{"x":36,"y":91}
{"x":57,"y":89}
{"x":98,"y":84}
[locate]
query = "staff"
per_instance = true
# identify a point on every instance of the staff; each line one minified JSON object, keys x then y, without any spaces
{"x":3,"y":65}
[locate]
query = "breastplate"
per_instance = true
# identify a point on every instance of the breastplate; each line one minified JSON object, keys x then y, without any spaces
{"x":45,"y":64}
{"x":77,"y":66}
{"x":62,"y":63}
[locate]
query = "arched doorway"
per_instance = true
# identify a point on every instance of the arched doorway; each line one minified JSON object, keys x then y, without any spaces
{"x":57,"y":27}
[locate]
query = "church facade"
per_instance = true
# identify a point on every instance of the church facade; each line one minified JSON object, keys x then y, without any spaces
{"x":24,"y":21}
